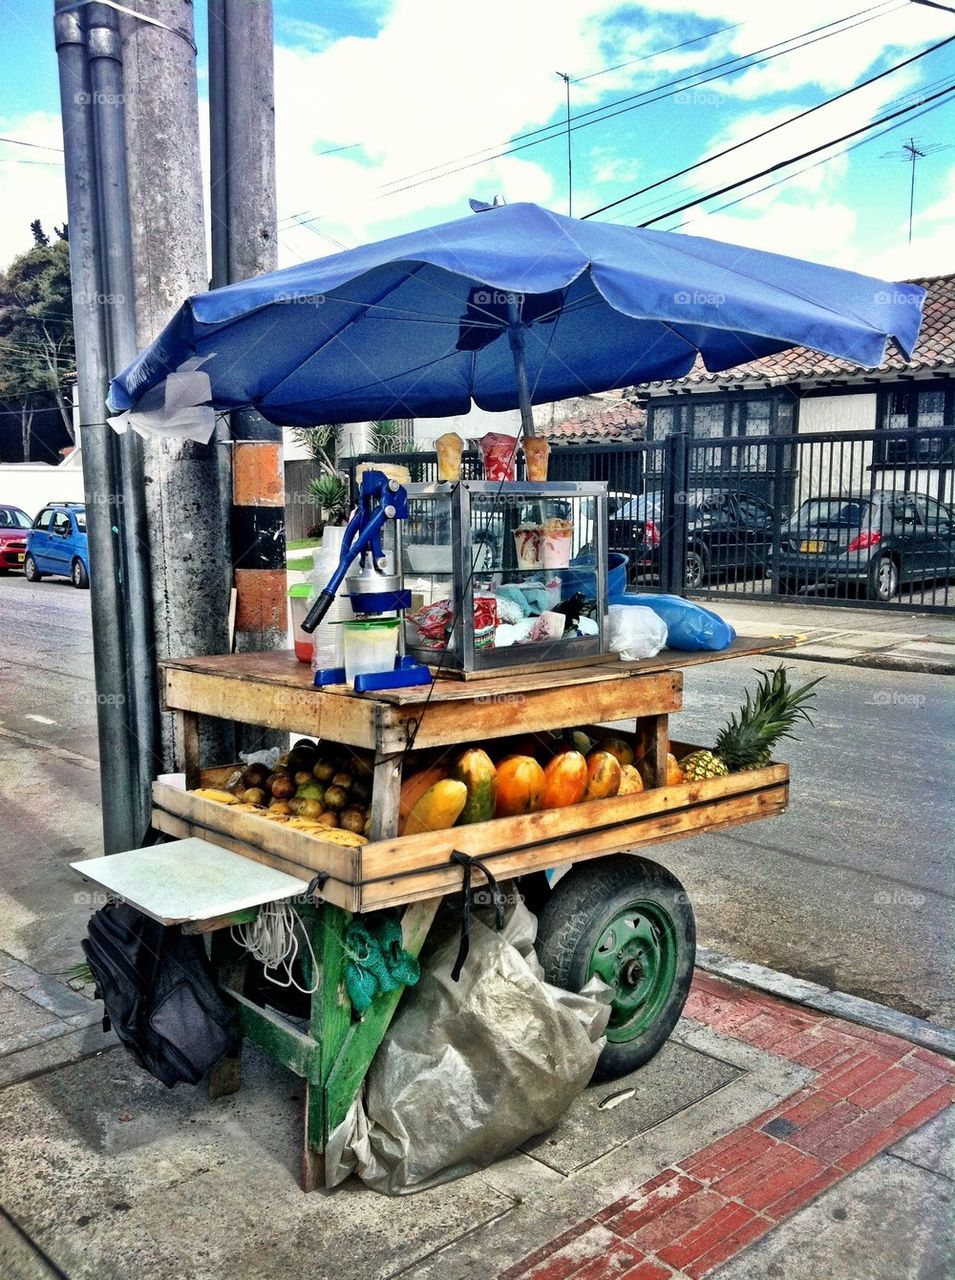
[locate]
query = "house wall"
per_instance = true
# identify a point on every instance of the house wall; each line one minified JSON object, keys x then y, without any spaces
{"x":843,"y":469}
{"x":470,"y":426}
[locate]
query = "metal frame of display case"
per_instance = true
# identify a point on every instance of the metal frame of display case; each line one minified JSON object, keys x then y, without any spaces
{"x":462,"y":657}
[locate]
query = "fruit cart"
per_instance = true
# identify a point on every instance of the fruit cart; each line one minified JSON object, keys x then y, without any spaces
{"x":622,"y":917}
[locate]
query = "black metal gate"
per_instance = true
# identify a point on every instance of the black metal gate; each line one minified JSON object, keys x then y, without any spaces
{"x":860,"y":518}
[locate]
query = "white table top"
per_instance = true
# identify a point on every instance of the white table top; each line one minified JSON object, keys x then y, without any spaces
{"x":187,"y":880}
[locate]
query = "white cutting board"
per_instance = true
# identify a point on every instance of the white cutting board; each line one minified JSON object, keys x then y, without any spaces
{"x":187,"y":880}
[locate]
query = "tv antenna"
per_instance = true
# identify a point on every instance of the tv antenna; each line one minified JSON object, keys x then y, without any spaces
{"x":911,"y":153}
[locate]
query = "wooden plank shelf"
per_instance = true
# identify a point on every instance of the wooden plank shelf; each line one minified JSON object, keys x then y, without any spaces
{"x":389,"y":872}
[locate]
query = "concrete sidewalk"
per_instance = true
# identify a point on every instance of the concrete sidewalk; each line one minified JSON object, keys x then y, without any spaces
{"x":764,"y":1140}
{"x":890,"y":639}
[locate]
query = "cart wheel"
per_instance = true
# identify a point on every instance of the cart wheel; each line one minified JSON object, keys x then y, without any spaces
{"x":628,"y":921}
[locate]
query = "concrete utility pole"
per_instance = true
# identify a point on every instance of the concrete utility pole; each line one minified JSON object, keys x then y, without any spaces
{"x":188,"y":535}
{"x":242,"y":161}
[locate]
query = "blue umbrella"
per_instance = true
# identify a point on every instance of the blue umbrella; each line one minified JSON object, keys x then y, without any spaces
{"x":507,"y":307}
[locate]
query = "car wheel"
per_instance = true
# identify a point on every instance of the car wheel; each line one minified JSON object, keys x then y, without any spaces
{"x":78,"y":575}
{"x":883,"y":580}
{"x":628,"y":921}
{"x":30,"y":571}
{"x":696,"y":567}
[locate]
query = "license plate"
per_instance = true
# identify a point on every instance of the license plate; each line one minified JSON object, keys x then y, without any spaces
{"x":19,"y":557}
{"x":813,"y":547}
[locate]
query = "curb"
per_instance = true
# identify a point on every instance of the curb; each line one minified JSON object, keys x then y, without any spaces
{"x":839,"y":1004}
{"x":878,"y":661}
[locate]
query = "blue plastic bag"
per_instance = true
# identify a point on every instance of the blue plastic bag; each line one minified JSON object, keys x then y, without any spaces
{"x":690,"y":627}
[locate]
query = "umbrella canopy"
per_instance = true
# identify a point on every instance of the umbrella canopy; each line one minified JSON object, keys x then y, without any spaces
{"x":423,"y":324}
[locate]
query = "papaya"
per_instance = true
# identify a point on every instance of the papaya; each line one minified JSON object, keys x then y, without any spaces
{"x":675,"y":774}
{"x":630,"y":780}
{"x":475,"y":769}
{"x":565,"y":780}
{"x":520,"y":786}
{"x":620,"y":748}
{"x":580,"y":741}
{"x":439,"y":808}
{"x":603,"y":775}
{"x":414,"y":787}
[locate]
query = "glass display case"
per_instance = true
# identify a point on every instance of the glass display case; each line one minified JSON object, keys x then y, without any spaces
{"x":505,"y":574}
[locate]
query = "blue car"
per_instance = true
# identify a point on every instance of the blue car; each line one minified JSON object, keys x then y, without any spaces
{"x":57,"y":544}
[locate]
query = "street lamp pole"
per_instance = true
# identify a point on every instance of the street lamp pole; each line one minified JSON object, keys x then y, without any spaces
{"x":570,"y":159}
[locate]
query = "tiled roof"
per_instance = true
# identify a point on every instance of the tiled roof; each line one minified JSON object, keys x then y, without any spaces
{"x":624,"y":421}
{"x":935,"y":350}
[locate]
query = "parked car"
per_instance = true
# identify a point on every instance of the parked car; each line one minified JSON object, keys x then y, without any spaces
{"x":57,"y":544}
{"x":875,"y":543}
{"x":728,"y":534}
{"x":14,"y":524}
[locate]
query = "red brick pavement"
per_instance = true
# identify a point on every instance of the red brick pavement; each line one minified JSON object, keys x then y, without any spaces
{"x":870,"y":1090}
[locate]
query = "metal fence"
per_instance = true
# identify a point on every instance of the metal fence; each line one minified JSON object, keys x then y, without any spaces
{"x":860,"y":518}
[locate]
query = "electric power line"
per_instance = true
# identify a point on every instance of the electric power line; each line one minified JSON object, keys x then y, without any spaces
{"x":782,"y":164}
{"x":800,"y":115}
{"x":668,"y":88}
{"x":900,"y":124}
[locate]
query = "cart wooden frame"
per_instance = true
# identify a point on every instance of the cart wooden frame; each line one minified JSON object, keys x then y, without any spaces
{"x":274,"y":691}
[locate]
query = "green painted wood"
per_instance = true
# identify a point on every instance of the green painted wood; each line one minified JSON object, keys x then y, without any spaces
{"x":273,"y":1035}
{"x":231,"y":961}
{"x":330,"y":1019}
{"x":363,"y":1038}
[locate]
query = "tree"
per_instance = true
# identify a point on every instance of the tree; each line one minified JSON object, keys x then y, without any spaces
{"x":36,"y":329}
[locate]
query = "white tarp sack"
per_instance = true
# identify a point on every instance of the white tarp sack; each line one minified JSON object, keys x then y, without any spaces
{"x":469,"y":1070}
{"x":636,"y":632}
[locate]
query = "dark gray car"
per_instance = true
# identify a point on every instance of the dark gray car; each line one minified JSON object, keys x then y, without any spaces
{"x":873,"y":543}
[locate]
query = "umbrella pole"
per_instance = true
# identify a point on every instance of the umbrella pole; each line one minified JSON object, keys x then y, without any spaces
{"x":515,"y":334}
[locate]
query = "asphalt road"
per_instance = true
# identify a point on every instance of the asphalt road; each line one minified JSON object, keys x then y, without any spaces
{"x":851,"y":887}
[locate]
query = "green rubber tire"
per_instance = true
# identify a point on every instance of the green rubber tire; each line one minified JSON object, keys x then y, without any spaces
{"x":629,"y":921}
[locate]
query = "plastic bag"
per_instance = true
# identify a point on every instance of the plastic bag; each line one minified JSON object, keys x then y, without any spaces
{"x":635,"y":632}
{"x":690,"y":627}
{"x":469,"y":1070}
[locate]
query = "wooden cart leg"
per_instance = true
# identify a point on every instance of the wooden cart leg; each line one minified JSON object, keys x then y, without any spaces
{"x":656,"y":733}
{"x":186,"y":739}
{"x":329,"y":1024}
{"x":347,"y":1048}
{"x":231,"y":963}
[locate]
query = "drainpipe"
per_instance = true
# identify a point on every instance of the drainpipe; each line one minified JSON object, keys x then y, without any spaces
{"x":117,"y":740}
{"x":106,"y":77}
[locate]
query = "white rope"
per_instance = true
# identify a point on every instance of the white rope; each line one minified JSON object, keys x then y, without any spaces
{"x":272,"y":939}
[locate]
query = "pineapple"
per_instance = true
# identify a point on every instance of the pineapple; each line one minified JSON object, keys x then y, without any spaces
{"x":746,"y":742}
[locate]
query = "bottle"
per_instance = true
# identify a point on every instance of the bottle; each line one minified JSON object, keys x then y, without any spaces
{"x":328,"y":648}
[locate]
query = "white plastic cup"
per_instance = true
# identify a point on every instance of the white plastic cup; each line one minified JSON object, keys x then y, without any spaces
{"x":371,"y":645}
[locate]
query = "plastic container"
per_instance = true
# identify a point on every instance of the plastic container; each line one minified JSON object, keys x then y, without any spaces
{"x":371,"y":645}
{"x":327,"y":652}
{"x":300,"y":597}
{"x":581,"y":578}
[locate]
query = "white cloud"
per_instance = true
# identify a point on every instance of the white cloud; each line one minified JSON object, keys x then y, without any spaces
{"x":32,"y":181}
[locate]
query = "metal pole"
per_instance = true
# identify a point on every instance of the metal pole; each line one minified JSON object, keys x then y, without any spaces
{"x":106,"y":76}
{"x":570,"y":159}
{"x":914,"y":152}
{"x":515,"y":335}
{"x":188,"y":539}
{"x":674,"y":515}
{"x":118,"y":772}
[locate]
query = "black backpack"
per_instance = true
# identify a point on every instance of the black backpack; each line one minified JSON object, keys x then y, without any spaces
{"x":160,"y":994}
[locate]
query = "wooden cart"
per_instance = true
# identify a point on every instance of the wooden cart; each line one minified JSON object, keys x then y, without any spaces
{"x":414,"y":872}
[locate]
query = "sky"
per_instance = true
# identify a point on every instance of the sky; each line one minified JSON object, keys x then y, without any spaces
{"x":390,"y":114}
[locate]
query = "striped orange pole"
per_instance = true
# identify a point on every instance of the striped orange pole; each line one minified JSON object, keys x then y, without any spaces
{"x":258,"y":540}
